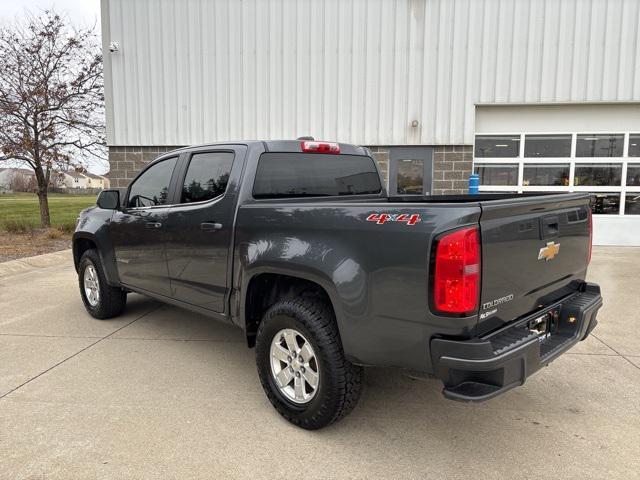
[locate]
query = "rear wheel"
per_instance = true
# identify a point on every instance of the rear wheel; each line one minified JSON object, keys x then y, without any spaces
{"x":101,"y":300}
{"x":301,"y":364}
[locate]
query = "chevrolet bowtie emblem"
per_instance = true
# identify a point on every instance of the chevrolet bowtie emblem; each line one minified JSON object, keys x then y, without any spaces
{"x":549,"y":252}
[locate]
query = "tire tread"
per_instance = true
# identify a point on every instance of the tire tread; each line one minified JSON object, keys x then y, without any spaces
{"x":112,"y":299}
{"x":346,"y":378}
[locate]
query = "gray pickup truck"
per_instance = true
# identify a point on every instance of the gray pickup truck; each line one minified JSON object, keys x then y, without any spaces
{"x":298,"y":244}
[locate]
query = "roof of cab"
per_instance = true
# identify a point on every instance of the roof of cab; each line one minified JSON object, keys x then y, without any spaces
{"x":294,"y":146}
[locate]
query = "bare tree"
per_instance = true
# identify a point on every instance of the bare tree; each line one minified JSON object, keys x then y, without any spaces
{"x":51,"y":97}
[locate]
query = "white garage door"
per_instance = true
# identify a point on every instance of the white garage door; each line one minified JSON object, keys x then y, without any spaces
{"x":566,"y":148}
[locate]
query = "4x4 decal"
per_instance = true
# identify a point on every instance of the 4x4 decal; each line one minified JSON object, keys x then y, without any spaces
{"x":381,"y":218}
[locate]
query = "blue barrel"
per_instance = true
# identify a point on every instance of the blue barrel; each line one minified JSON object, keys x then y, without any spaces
{"x":474,"y":183}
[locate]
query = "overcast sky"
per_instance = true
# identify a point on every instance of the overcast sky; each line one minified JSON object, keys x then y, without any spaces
{"x":80,"y":12}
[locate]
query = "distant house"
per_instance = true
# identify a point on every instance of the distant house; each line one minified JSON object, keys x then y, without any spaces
{"x":82,"y":180}
{"x":4,"y":180}
{"x":96,"y":181}
{"x":73,"y":179}
{"x":18,"y":180}
{"x":24,"y":180}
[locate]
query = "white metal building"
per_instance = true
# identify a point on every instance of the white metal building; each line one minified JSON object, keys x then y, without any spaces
{"x":547,"y":91}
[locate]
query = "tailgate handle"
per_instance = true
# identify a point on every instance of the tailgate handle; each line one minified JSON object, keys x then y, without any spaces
{"x":549,"y":227}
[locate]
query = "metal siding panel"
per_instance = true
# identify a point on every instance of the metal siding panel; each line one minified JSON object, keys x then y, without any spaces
{"x":579,"y":74}
{"x":423,"y":84}
{"x":549,"y":61}
{"x":235,"y":48}
{"x":517,"y":86}
{"x":383,"y":124}
{"x":258,"y":80}
{"x":504,"y":52}
{"x":534,"y":50}
{"x":358,"y":77}
{"x":105,"y":21}
{"x":216,"y":83}
{"x":634,"y":72}
{"x":471,"y":85}
{"x":185,"y":65}
{"x":566,"y":25}
{"x":355,"y":70}
{"x":489,"y":47}
{"x":117,"y":73}
{"x":344,"y":61}
{"x":372,"y":70}
{"x":612,"y":48}
{"x":596,"y":49}
{"x":445,"y":59}
{"x":418,"y":83}
{"x":628,"y":49}
{"x":400,"y":69}
{"x":458,"y":72}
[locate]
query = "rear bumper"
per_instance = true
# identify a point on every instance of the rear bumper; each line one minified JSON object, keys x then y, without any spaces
{"x":481,"y":368}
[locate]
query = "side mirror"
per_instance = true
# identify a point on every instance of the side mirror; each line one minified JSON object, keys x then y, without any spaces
{"x":109,"y":199}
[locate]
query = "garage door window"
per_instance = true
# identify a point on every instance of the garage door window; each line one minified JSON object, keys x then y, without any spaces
{"x":604,"y":164}
{"x":634,"y":145}
{"x":547,"y":146}
{"x":606,"y":203}
{"x":608,"y":145}
{"x":498,"y":174}
{"x":633,"y":175}
{"x":546,"y":174}
{"x":603,"y":174}
{"x":497,"y":146}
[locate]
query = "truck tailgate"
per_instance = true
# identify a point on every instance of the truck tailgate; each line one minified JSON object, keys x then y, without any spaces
{"x":535,"y":250}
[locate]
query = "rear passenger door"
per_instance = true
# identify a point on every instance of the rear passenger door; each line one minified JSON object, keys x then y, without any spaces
{"x":200,"y":226}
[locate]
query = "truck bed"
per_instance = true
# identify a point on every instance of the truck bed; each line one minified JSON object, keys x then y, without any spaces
{"x":378,"y":272}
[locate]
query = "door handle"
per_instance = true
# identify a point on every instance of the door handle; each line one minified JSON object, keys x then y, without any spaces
{"x":210,"y":226}
{"x":153,"y":225}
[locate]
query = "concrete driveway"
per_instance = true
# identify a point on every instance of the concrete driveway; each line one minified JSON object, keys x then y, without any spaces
{"x":164,"y":393}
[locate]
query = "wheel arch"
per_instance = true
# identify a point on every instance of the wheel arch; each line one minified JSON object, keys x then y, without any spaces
{"x":265,"y":288}
{"x":83,"y":241}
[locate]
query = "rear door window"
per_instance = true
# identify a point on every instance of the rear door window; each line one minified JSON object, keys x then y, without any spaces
{"x":207,"y":176}
{"x":282,"y":175}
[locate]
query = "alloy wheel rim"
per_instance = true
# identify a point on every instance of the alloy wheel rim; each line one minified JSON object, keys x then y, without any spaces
{"x":294,"y":366}
{"x":91,"y":285}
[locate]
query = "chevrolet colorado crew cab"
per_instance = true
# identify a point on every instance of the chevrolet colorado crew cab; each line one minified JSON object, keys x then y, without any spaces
{"x":298,"y":244}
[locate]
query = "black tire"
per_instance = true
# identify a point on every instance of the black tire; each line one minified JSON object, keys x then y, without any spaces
{"x":111,"y":301}
{"x":340,"y":381}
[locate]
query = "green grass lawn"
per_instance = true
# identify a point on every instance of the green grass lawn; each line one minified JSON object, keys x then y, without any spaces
{"x":23,"y":209}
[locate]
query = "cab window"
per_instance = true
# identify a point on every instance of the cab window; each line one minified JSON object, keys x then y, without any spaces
{"x":152,"y":187}
{"x":207,"y":176}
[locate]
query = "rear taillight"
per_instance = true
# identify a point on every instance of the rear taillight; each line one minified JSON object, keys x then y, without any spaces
{"x":320,"y":147}
{"x":590,"y":217}
{"x":456,"y":277}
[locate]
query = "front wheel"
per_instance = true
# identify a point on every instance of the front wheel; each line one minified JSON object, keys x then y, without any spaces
{"x":301,"y":364}
{"x":100,"y":299}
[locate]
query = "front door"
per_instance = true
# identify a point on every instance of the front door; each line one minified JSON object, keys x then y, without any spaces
{"x":200,"y":227}
{"x":138,"y":231}
{"x":410,"y":170}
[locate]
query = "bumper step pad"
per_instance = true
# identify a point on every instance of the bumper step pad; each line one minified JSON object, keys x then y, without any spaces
{"x":481,"y":368}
